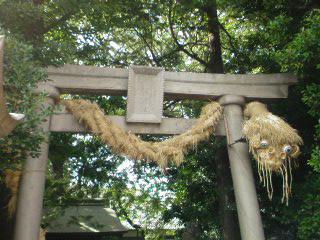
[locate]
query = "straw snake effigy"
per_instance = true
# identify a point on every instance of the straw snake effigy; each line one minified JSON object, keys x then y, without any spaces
{"x":273,"y":142}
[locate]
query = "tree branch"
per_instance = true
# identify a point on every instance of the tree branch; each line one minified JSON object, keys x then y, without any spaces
{"x":233,"y":47}
{"x":154,"y":56}
{"x":182,"y":46}
{"x":170,"y":104}
{"x":230,"y":38}
{"x":124,"y":213}
{"x":59,"y":21}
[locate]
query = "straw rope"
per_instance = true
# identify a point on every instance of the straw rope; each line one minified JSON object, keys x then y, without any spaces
{"x":260,"y":126}
{"x":172,"y":149}
{"x":12,"y":180}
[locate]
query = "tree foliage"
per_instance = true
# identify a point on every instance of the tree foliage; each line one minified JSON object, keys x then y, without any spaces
{"x":22,"y":73}
{"x":256,"y":37}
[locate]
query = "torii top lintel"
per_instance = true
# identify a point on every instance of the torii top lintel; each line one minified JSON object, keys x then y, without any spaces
{"x":147,"y":86}
{"x":114,"y":81}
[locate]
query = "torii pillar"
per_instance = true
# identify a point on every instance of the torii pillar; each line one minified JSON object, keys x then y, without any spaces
{"x":146,"y":87}
{"x":241,"y":171}
{"x":31,"y":189}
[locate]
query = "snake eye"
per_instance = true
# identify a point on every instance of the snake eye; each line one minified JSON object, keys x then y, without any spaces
{"x":264,"y":143}
{"x":287,"y":149}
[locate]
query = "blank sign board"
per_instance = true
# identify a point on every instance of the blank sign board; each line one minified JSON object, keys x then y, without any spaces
{"x":145,"y":94}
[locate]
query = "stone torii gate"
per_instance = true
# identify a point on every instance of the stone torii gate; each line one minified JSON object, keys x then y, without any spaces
{"x":146,"y":87}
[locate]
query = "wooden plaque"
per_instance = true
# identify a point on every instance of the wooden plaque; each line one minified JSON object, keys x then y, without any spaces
{"x":145,"y":94}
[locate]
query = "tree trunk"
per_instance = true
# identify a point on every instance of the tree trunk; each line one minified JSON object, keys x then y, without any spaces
{"x":215,"y":64}
{"x":227,"y":208}
{"x":227,"y":212}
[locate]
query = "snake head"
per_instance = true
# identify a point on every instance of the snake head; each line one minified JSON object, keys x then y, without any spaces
{"x":272,"y":141}
{"x":273,"y":155}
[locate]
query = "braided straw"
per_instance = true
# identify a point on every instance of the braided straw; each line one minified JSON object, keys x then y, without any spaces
{"x":128,"y":144}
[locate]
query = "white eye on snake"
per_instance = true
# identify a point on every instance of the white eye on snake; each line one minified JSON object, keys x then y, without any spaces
{"x":264,"y":143}
{"x":287,"y":149}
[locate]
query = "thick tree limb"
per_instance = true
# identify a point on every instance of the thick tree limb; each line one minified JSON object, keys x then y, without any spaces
{"x":182,"y":46}
{"x":153,"y":54}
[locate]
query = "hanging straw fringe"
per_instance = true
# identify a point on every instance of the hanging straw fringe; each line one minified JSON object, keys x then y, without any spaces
{"x":12,"y":180}
{"x":42,"y":234}
{"x":128,"y":144}
{"x":273,"y":143}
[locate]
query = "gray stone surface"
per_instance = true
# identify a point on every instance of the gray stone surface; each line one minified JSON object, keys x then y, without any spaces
{"x":241,"y":170}
{"x":114,"y":81}
{"x":31,"y":189}
{"x":145,"y":94}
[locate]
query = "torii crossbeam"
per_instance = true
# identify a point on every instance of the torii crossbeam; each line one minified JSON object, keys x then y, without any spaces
{"x":146,"y":87}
